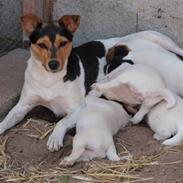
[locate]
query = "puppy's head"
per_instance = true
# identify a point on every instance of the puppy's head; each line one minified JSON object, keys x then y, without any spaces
{"x":115,"y":57}
{"x":51,"y":44}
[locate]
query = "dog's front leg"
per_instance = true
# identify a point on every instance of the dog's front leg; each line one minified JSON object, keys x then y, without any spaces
{"x":17,"y":113}
{"x":55,"y":141}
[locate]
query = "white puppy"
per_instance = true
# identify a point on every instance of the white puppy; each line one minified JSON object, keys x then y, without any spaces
{"x":167,"y":122}
{"x":96,"y":125}
{"x":134,"y":85}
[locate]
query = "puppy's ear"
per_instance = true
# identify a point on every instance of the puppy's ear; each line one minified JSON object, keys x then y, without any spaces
{"x":120,"y":50}
{"x":29,"y":23}
{"x":71,"y":22}
{"x":110,"y":54}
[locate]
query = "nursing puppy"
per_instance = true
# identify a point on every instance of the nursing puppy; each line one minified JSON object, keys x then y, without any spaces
{"x":96,"y":125}
{"x":166,"y":63}
{"x":135,"y":85}
{"x":167,"y":122}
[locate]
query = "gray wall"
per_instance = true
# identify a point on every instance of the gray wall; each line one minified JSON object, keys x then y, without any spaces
{"x":108,"y":18}
{"x":105,"y":18}
{"x":10,"y":12}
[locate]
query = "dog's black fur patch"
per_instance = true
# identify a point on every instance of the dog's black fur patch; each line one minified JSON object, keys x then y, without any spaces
{"x":51,"y":31}
{"x":121,"y":50}
{"x":92,"y":48}
{"x":88,"y":54}
{"x":73,"y":68}
{"x":117,"y":61}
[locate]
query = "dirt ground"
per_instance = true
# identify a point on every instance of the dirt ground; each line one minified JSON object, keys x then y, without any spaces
{"x":26,"y":151}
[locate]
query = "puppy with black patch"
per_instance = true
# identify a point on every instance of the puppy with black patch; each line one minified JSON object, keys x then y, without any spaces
{"x":135,"y":84}
{"x":96,"y":125}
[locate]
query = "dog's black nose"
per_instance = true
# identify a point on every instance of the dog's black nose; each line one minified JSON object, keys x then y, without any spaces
{"x":53,"y":65}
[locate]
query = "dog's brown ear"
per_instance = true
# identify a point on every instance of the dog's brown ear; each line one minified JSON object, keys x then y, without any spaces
{"x":110,"y":54}
{"x":120,"y":50}
{"x":29,"y":22}
{"x":71,"y":22}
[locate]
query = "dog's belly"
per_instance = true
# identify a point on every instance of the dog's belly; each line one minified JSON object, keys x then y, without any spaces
{"x":124,"y":94}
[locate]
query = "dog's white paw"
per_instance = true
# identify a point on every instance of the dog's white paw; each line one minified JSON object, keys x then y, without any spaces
{"x":135,"y":120}
{"x":66,"y":162}
{"x":157,"y":137}
{"x":95,"y":93}
{"x":126,"y":158}
{"x":55,"y":141}
{"x":95,"y":86}
{"x":115,"y":158}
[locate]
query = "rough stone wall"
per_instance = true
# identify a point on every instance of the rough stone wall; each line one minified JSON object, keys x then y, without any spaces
{"x":108,"y":18}
{"x":10,"y":11}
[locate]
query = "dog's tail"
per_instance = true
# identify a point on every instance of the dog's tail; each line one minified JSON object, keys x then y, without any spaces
{"x":167,"y":95}
{"x":164,"y":41}
{"x":177,"y":139}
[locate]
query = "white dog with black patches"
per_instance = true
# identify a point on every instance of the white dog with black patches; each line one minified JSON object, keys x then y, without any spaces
{"x":136,"y":85}
{"x":96,"y":125}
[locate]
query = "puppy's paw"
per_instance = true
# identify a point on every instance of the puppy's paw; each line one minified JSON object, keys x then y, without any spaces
{"x":66,"y":162}
{"x":126,"y":158}
{"x":114,"y":158}
{"x":95,"y":93}
{"x":135,"y":120}
{"x":157,"y":137}
{"x":55,"y":141}
{"x":95,"y":87}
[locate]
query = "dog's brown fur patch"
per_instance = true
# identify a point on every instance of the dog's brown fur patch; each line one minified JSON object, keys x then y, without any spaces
{"x":42,"y":54}
{"x":124,"y":50}
{"x":71,"y":22}
{"x":29,"y":22}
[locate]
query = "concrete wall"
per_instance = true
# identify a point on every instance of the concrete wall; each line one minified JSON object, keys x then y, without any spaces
{"x":10,"y":12}
{"x":105,"y":18}
{"x":108,"y":18}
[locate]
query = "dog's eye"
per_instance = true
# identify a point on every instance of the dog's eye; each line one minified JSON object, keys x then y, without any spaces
{"x":62,"y":44}
{"x":42,"y":45}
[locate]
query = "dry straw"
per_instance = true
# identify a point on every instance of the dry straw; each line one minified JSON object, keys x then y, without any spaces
{"x":94,"y":171}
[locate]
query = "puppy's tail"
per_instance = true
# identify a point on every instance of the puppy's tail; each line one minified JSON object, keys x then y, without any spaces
{"x":169,"y":97}
{"x":163,"y":41}
{"x":177,"y":139}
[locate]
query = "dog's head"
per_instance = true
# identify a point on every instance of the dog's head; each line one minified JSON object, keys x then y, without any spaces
{"x":51,"y":43}
{"x":116,"y":56}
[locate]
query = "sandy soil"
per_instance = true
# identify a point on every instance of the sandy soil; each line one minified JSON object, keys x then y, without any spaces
{"x":25,"y":150}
